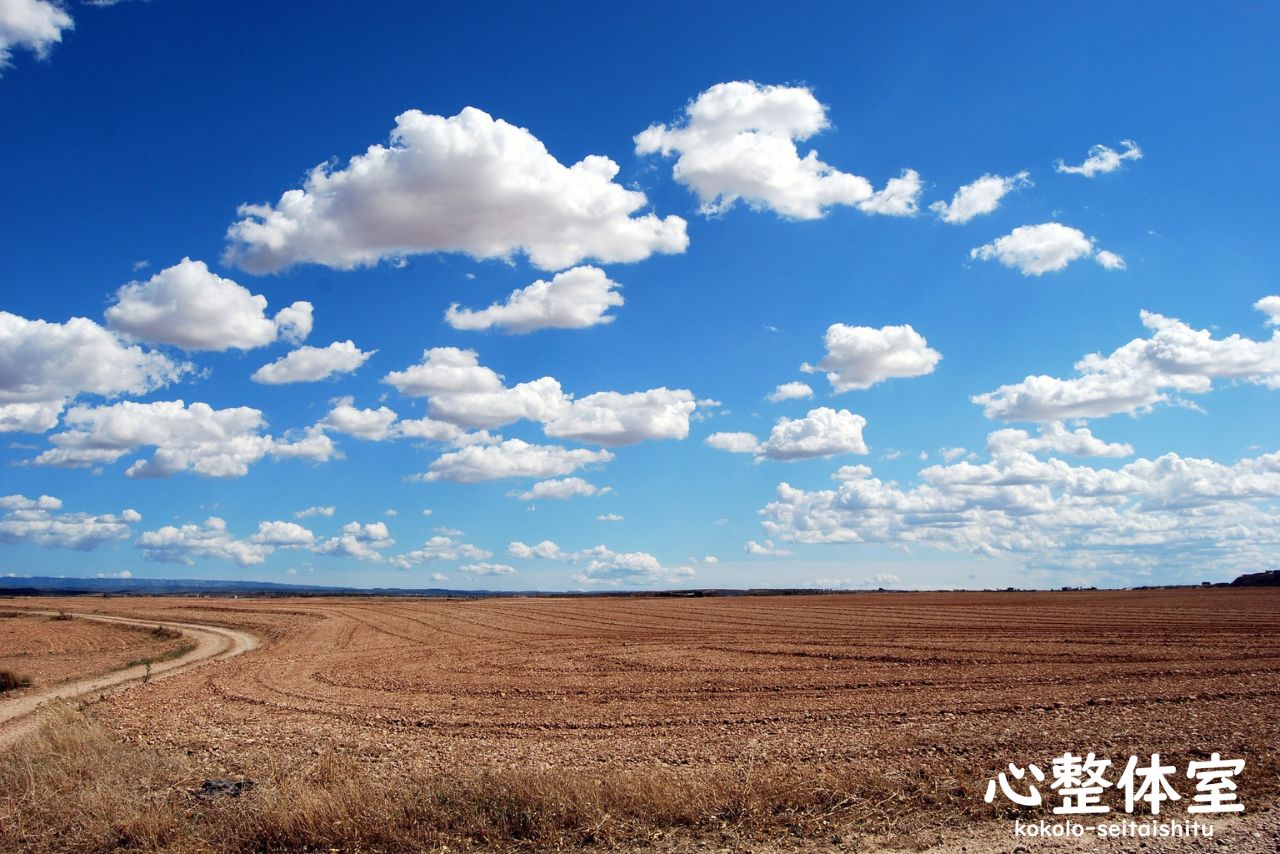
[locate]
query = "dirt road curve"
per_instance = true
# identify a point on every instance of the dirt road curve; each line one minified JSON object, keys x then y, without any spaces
{"x":211,"y":643}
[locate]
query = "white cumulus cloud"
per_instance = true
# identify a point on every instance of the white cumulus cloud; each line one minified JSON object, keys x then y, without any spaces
{"x":442,"y":547}
{"x":512,"y":458}
{"x":195,"y":438}
{"x":463,"y":392}
{"x":36,"y":25}
{"x":574,"y":299}
{"x":1167,"y":513}
{"x":858,"y":357}
{"x":545,"y":550}
{"x":1034,"y":250}
{"x":738,"y":142}
{"x":36,"y":520}
{"x":979,"y":197}
{"x":790,"y":391}
{"x":487,"y":569}
{"x":468,"y":183}
{"x":606,"y":567}
{"x":1103,"y":159}
{"x":183,"y":544}
{"x":823,"y":432}
{"x":561,"y":489}
{"x":1174,"y":359}
{"x":282,"y":534}
{"x":311,"y":364}
{"x":191,"y":307}
{"x":44,"y":366}
{"x":360,"y":541}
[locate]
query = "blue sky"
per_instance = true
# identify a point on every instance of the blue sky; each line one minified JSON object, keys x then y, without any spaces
{"x":135,"y":132}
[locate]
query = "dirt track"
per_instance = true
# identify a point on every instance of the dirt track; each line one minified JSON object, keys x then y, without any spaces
{"x":211,"y":642}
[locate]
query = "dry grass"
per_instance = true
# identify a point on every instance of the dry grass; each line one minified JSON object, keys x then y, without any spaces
{"x":10,"y":681}
{"x":72,"y":787}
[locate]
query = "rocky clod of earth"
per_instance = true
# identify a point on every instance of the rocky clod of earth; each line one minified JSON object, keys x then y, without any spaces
{"x":223,"y":788}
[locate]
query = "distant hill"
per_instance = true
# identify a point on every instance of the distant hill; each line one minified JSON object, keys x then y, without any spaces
{"x":1268,"y":578}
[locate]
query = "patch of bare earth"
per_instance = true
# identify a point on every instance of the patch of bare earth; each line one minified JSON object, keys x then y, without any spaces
{"x":853,"y":722}
{"x":51,"y":651}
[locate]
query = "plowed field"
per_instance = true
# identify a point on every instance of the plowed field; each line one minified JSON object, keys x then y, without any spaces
{"x":934,"y":691}
{"x":51,"y":651}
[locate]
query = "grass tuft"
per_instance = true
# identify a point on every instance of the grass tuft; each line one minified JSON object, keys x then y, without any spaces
{"x":10,"y":681}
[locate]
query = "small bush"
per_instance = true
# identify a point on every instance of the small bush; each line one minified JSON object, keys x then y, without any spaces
{"x":10,"y":681}
{"x":165,"y":633}
{"x":62,"y":615}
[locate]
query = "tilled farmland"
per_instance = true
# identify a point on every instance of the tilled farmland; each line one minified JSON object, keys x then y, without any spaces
{"x":49,"y":650}
{"x":923,"y":697}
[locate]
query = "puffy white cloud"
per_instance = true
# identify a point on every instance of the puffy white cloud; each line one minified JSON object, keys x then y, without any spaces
{"x":858,"y":357}
{"x":192,"y":307}
{"x":1056,"y":439}
{"x":735,"y":442}
{"x":790,"y":391}
{"x":36,"y":25}
{"x":574,"y":299}
{"x":766,"y":548}
{"x":487,"y":569}
{"x":1170,"y":512}
{"x":362,"y":542}
{"x":1102,"y":158}
{"x":430,"y":430}
{"x":980,"y":197}
{"x":1045,"y":248}
{"x":512,"y":458}
{"x":440,"y":547}
{"x":606,"y":567}
{"x":445,"y":370}
{"x":311,"y":364}
{"x":310,"y":444}
{"x":282,"y":534}
{"x":1110,"y":260}
{"x":900,"y":196}
{"x":561,"y":489}
{"x":613,"y":419}
{"x":463,"y":392}
{"x":538,"y":400}
{"x":198,"y":438}
{"x":609,"y":517}
{"x":1174,"y":359}
{"x":468,"y":183}
{"x":184,"y":544}
{"x":545,"y":550}
{"x":823,"y":432}
{"x":327,"y":510}
{"x":738,"y":142}
{"x":951,"y":454}
{"x":372,"y":424}
{"x":1270,"y":306}
{"x":43,"y":366}
{"x":34,"y":520}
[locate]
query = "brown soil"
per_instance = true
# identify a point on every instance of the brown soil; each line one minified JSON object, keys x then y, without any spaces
{"x":904,"y":704}
{"x":53,"y":651}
